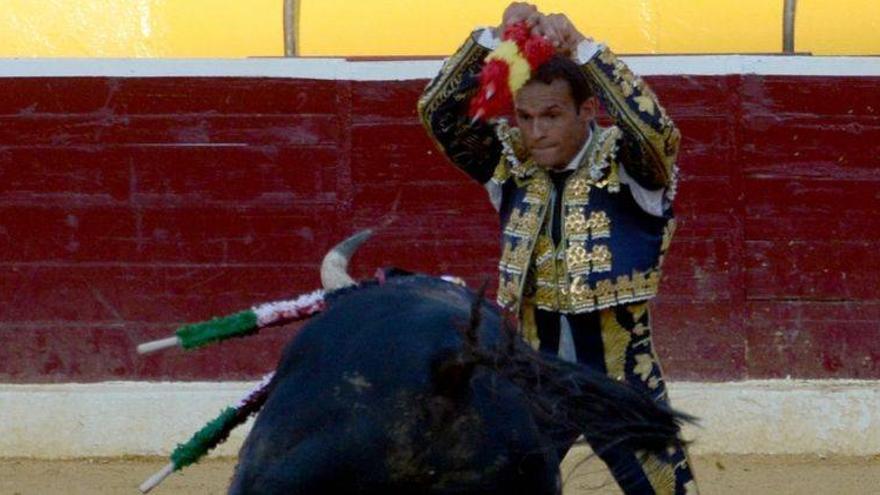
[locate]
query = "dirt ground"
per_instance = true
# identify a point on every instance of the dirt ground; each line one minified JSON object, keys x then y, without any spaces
{"x":753,"y":475}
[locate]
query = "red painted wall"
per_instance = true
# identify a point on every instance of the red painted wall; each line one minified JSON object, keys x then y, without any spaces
{"x":129,"y":206}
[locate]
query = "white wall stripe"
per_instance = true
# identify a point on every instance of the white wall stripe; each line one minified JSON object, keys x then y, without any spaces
{"x":342,"y":69}
{"x":832,"y":417}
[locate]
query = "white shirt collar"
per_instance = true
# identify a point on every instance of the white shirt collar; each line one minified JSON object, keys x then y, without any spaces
{"x":573,"y":164}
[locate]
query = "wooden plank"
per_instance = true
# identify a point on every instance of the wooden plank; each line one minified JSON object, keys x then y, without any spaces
{"x":810,"y":339}
{"x":382,"y":153}
{"x":222,"y":95}
{"x":46,"y":233}
{"x":46,"y":353}
{"x":165,"y":95}
{"x":292,"y":130}
{"x":25,"y":96}
{"x":812,"y":270}
{"x":699,"y":341}
{"x":809,"y":95}
{"x":127,"y":292}
{"x":707,"y":145}
{"x":812,"y":209}
{"x":804,"y":142}
{"x":385,"y":100}
{"x":37,"y":173}
{"x":171,"y":174}
{"x":165,"y":235}
{"x":249,"y":175}
{"x":699,"y":270}
{"x":700,"y":96}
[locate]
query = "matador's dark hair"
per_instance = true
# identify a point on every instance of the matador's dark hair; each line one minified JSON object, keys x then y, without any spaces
{"x":562,"y":67}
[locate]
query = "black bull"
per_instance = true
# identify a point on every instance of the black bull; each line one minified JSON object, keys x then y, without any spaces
{"x":418,"y":385}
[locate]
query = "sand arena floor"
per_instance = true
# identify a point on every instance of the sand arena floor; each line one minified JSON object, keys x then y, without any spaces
{"x":753,"y":475}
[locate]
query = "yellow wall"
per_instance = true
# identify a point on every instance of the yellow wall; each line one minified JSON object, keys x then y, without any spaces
{"x":435,"y":27}
{"x":838,"y":26}
{"x":237,"y":28}
{"x":140,"y":28}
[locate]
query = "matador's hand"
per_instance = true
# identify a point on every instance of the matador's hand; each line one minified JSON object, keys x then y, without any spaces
{"x":518,"y":12}
{"x":560,"y":31}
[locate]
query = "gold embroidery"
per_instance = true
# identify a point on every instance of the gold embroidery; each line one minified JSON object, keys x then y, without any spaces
{"x":544,"y":274}
{"x":577,"y":191}
{"x":607,"y":57}
{"x":660,"y":474}
{"x":644,"y":366}
{"x":645,"y":284}
{"x":605,"y":293}
{"x":502,"y":172}
{"x":613,"y":178}
{"x":528,"y":224}
{"x":506,"y":252}
{"x":514,"y":151}
{"x":543,"y":250}
{"x":523,"y":223}
{"x":447,"y":82}
{"x":516,"y":259}
{"x":545,"y":298}
{"x":576,"y":223}
{"x":603,"y":154}
{"x":625,"y":79}
{"x":538,"y":189}
{"x":637,"y":311}
{"x":508,"y":290}
{"x":514,"y":217}
{"x":528,"y":327}
{"x":564,"y":304}
{"x":668,"y":232}
{"x":624,"y":288}
{"x":600,"y":259}
{"x":545,"y":264}
{"x":646,"y":104}
{"x":599,"y":225}
{"x":615,"y":340}
{"x":578,"y":259}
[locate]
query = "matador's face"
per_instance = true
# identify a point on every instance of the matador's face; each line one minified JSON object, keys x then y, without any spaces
{"x":553,"y":128}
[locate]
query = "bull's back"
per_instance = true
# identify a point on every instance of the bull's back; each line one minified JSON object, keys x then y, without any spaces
{"x":356,"y":401}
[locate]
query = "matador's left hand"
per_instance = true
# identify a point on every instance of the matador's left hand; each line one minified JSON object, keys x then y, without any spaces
{"x":560,"y":31}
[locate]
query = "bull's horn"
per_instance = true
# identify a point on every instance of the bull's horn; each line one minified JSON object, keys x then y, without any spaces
{"x":334,"y":268}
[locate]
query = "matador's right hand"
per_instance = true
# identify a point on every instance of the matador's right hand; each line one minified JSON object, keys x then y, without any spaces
{"x":519,"y":12}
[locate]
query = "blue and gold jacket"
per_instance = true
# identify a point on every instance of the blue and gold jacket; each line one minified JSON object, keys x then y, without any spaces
{"x":611,"y":250}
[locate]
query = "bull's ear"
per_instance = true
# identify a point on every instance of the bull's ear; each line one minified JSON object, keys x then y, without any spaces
{"x":451,"y":374}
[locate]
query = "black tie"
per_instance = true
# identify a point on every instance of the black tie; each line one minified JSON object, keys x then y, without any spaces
{"x":558,"y":179}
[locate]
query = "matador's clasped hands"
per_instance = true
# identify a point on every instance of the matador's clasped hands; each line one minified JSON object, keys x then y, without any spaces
{"x":557,"y":28}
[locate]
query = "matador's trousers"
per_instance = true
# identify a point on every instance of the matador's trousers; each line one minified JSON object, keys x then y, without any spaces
{"x":617,"y":341}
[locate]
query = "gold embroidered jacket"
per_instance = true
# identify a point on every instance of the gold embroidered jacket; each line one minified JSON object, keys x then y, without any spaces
{"x":611,"y":250}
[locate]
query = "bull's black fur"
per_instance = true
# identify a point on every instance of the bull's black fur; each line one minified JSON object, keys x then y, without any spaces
{"x":410,"y":387}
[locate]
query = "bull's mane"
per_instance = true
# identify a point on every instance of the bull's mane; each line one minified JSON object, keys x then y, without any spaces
{"x":567,"y":397}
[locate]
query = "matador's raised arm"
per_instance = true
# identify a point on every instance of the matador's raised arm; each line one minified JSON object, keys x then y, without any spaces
{"x":650,"y":139}
{"x":443,"y":108}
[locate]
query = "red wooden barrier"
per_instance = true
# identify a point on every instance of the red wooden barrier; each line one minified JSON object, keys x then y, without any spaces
{"x":131,"y":205}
